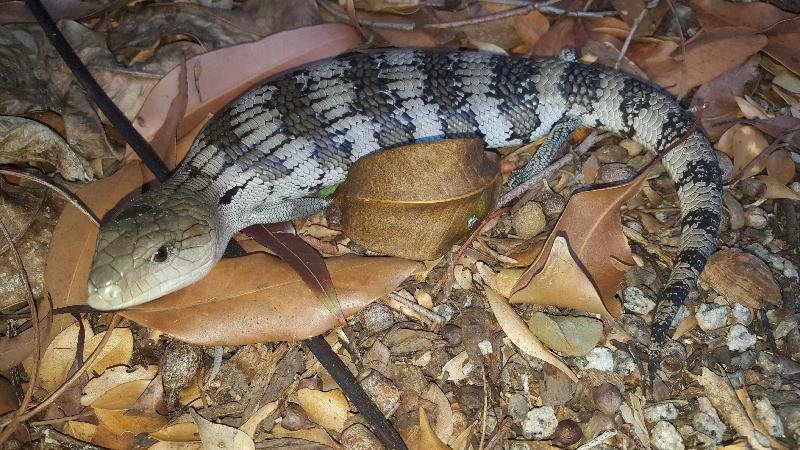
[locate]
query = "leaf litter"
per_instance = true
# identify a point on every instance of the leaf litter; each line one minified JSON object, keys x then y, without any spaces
{"x":739,"y":62}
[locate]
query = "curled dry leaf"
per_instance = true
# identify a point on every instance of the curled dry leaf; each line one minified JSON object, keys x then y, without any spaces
{"x":122,"y":424}
{"x":531,"y":27}
{"x":117,"y":350}
{"x":112,"y":377}
{"x":591,"y":224}
{"x":775,"y":189}
{"x":384,"y":201}
{"x":519,"y":333}
{"x":258,"y":298}
{"x":742,"y":278}
{"x":211,"y":85}
{"x":780,"y":166}
{"x":72,"y":245}
{"x":724,"y":399}
{"x":718,"y":96}
{"x":26,"y":141}
{"x":220,"y":436}
{"x":328,"y":409}
{"x":177,"y":432}
{"x":561,"y":282}
{"x":59,"y":357}
{"x":426,"y":439}
{"x":123,"y":396}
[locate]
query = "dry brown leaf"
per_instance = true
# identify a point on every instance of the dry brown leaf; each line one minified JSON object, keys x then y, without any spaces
{"x":316,"y":434}
{"x":561,"y":282}
{"x":724,"y":399}
{"x":745,"y":400}
{"x":443,"y":413}
{"x":591,"y":223}
{"x":117,"y":350}
{"x":210,"y":81}
{"x":708,"y":55}
{"x":566,"y":32}
{"x":734,"y":209}
{"x":329,"y":409}
{"x":783,"y":39}
{"x":80,"y":430}
{"x":120,"y":423}
{"x":218,"y":436}
{"x":123,"y":396}
{"x":72,"y":245}
{"x":721,"y":13}
{"x":750,"y":109}
{"x":425,"y":438}
{"x":518,"y":332}
{"x":251,"y":425}
{"x":59,"y":357}
{"x":780,"y":166}
{"x":393,"y":195}
{"x":177,"y":432}
{"x":774,"y":188}
{"x":748,"y":143}
{"x":114,"y":376}
{"x":531,"y":27}
{"x":688,"y":324}
{"x":8,"y":396}
{"x":742,"y":278}
{"x":718,"y":96}
{"x":258,"y":298}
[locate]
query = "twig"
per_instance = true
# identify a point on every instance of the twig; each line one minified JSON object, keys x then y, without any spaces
{"x":792,"y":228}
{"x":485,"y":407}
{"x":582,"y":148}
{"x":96,"y":93}
{"x":629,"y":38}
{"x":413,"y":309}
{"x":597,"y":441}
{"x":68,"y":196}
{"x":115,"y":319}
{"x":499,"y":433}
{"x":37,"y":338}
{"x":384,"y":431}
{"x":410,"y":26}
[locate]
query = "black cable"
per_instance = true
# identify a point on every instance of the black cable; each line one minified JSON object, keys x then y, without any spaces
{"x":383,"y":430}
{"x":96,"y":93}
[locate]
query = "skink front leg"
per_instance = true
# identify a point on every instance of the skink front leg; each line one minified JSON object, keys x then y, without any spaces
{"x":557,"y":140}
{"x":289,"y":209}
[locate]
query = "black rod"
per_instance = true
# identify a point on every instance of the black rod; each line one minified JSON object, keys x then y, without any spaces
{"x":96,"y":93}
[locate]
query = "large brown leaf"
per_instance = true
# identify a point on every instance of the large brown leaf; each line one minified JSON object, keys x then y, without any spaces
{"x":215,"y":78}
{"x":591,"y":224}
{"x":259,"y":298}
{"x":416,"y":201}
{"x":708,"y":55}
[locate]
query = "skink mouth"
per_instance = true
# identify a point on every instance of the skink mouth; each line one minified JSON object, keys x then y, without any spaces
{"x":106,"y":298}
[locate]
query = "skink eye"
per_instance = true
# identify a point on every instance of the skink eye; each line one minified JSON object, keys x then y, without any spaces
{"x":161,"y":254}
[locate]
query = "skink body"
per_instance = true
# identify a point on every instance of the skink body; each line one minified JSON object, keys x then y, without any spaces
{"x":264,"y":157}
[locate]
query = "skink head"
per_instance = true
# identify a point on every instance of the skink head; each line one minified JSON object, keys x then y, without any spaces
{"x":157,"y":244}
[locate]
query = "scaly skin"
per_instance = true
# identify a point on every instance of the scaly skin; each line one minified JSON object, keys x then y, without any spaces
{"x":264,"y":157}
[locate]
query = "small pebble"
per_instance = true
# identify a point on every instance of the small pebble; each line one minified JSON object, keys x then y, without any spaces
{"x":452,"y":334}
{"x":790,"y":415}
{"x":707,"y":423}
{"x":725,"y":164}
{"x":661,"y":411}
{"x":382,"y":392}
{"x":540,"y":423}
{"x":607,"y":398}
{"x":529,"y":220}
{"x":635,"y":300}
{"x":767,"y":414}
{"x":518,"y":407}
{"x":632,"y":147}
{"x":567,"y":433}
{"x":739,"y":338}
{"x":614,"y":172}
{"x":611,"y":153}
{"x":600,"y":358}
{"x":664,"y":436}
{"x":741,"y":314}
{"x":294,"y":417}
{"x":376,"y":317}
{"x":624,"y":364}
{"x":756,"y":218}
{"x":711,"y":316}
{"x":359,"y":437}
